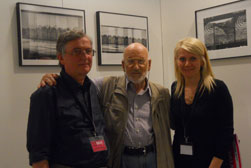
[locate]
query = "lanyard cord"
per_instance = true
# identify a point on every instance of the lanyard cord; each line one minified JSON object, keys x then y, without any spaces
{"x":186,"y":123}
{"x":89,"y":117}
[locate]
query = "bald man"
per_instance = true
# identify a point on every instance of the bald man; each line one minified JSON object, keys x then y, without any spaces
{"x":136,"y":113}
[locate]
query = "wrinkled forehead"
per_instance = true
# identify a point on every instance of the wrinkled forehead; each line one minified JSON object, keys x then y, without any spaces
{"x":136,"y":54}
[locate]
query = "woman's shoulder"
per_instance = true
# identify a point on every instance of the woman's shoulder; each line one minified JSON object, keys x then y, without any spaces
{"x":173,"y":87}
{"x":219,"y":83}
{"x":174,"y":84}
{"x":220,"y":86}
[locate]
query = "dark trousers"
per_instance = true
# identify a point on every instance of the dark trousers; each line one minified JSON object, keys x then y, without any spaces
{"x":139,"y":161}
{"x":59,"y":166}
{"x":63,"y":166}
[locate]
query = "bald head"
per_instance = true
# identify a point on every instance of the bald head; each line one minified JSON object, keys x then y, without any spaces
{"x":135,"y":49}
{"x":136,"y":63}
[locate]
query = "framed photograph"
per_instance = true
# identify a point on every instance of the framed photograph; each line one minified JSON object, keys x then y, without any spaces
{"x":39,"y":28}
{"x":115,"y":32}
{"x":225,"y":29}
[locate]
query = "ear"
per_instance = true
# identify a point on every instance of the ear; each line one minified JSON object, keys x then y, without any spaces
{"x":60,"y":58}
{"x":123,"y":65}
{"x":149,"y":64}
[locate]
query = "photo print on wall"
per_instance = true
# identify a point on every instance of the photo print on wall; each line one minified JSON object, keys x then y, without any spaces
{"x":39,"y":28}
{"x":115,"y":32}
{"x":225,"y":29}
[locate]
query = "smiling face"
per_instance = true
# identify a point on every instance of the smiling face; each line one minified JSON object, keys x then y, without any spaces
{"x":136,"y":63}
{"x":189,"y":64}
{"x":77,"y":64}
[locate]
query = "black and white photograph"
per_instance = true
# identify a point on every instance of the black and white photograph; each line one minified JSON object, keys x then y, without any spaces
{"x":115,"y":39}
{"x":117,"y":31}
{"x":39,"y":28}
{"x":224,"y":29}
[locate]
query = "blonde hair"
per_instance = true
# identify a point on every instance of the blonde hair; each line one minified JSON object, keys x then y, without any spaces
{"x":194,"y":46}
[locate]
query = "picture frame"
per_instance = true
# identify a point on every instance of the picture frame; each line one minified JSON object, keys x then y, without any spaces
{"x":38,"y":28}
{"x":225,"y":29}
{"x":115,"y":32}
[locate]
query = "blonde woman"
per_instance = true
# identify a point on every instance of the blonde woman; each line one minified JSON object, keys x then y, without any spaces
{"x":201,"y":110}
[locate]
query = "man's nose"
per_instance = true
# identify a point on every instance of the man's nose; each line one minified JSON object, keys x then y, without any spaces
{"x":83,"y":55}
{"x":136,"y":65}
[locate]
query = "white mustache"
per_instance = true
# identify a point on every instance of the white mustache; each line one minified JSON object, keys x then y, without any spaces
{"x":136,"y":72}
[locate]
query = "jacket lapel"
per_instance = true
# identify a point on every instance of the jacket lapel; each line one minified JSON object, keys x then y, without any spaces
{"x":121,"y":86}
{"x":155,"y":98}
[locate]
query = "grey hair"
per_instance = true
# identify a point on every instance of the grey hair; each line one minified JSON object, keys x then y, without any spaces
{"x":68,"y":36}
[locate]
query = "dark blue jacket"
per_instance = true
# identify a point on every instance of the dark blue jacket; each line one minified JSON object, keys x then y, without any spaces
{"x":62,"y":119}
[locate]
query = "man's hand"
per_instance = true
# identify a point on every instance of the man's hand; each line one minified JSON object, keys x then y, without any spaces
{"x":41,"y":164}
{"x":48,"y":79}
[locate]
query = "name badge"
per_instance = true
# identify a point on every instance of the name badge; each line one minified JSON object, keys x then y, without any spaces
{"x":98,"y":143}
{"x":186,"y":149}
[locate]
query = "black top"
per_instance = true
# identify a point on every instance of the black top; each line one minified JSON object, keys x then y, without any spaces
{"x":209,"y":126}
{"x":61,"y":120}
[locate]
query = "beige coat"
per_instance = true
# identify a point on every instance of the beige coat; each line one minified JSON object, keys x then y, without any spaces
{"x":114,"y":102}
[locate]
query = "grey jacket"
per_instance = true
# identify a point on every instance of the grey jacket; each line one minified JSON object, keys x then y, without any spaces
{"x":114,"y":103}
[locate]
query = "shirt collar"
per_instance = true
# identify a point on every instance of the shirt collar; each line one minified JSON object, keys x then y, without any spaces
{"x":73,"y":84}
{"x":129,"y":85}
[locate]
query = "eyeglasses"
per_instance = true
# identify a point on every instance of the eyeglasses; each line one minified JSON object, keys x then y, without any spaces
{"x":80,"y":52}
{"x":133,"y":61}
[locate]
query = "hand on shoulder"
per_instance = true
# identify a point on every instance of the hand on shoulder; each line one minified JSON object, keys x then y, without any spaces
{"x":49,"y":79}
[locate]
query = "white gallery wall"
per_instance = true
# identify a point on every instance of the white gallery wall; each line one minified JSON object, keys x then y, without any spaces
{"x":178,"y":21}
{"x":17,"y":83}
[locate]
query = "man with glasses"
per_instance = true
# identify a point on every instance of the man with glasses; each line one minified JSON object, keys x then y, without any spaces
{"x":66,"y":125}
{"x":136,"y":112}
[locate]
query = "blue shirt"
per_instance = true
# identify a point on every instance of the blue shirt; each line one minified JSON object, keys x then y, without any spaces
{"x":139,"y":129}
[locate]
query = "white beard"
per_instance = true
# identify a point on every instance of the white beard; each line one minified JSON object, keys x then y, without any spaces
{"x":139,"y":80}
